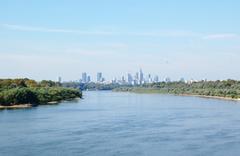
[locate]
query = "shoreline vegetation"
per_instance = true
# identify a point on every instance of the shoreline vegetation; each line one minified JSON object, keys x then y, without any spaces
{"x":225,"y":90}
{"x":25,"y":93}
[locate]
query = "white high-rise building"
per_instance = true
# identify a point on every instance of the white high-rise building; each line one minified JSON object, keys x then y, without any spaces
{"x":149,"y":78}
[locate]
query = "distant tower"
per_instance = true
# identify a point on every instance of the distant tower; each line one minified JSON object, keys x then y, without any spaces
{"x":137,"y":76}
{"x":149,"y":78}
{"x":141,"y":77}
{"x":88,"y":79}
{"x":59,"y":79}
{"x":123,"y":79}
{"x":129,"y":78}
{"x":156,"y":79}
{"x":84,"y":77}
{"x":99,"y":77}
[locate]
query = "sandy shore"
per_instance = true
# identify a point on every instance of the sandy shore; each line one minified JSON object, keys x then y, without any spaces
{"x":25,"y":105}
{"x":30,"y":105}
{"x":53,"y":102}
{"x":16,"y":106}
{"x":195,"y":95}
{"x":212,"y":97}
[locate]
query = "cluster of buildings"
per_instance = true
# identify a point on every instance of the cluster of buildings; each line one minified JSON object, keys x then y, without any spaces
{"x":138,"y":78}
{"x":87,"y":78}
{"x":130,"y":79}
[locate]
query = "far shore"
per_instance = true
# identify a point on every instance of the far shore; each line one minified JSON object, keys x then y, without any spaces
{"x":212,"y":97}
{"x":194,"y":95}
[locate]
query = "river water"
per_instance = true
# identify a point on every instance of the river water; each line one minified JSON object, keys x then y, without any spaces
{"x":109,"y":123}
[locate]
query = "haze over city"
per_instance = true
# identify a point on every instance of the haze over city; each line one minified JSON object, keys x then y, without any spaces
{"x":47,"y":39}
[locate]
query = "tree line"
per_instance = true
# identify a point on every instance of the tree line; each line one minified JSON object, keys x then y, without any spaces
{"x":27,"y":91}
{"x":91,"y":86}
{"x":226,"y":88}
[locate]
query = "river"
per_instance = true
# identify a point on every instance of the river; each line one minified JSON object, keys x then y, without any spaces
{"x":114,"y":123}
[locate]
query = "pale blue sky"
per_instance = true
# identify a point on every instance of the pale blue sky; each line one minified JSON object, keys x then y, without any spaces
{"x":176,"y":38}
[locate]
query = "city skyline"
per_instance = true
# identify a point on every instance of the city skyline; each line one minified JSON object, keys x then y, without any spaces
{"x":137,"y":78}
{"x":170,"y":38}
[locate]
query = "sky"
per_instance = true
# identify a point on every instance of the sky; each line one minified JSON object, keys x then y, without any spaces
{"x":172,"y":38}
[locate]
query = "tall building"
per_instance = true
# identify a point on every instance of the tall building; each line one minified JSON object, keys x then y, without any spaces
{"x":149,"y":78}
{"x":84,"y":77}
{"x":59,"y":79}
{"x":141,"y":79}
{"x":129,"y":78}
{"x":123,"y":80}
{"x":156,"y":79}
{"x":136,"y":76}
{"x":99,"y":77}
{"x":88,"y":79}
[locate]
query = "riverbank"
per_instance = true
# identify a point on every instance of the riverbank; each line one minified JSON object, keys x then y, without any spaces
{"x":22,"y":106}
{"x":155,"y":91}
{"x":224,"y":89}
{"x":16,"y":106}
{"x":211,"y":97}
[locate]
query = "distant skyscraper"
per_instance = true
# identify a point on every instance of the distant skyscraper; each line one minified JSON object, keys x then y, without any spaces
{"x":156,"y":79}
{"x":84,"y":77}
{"x":149,"y":78}
{"x":59,"y":79}
{"x":136,"y":76}
{"x":123,"y":80}
{"x":88,"y":79}
{"x":129,"y":78}
{"x":141,"y":77}
{"x":99,"y":77}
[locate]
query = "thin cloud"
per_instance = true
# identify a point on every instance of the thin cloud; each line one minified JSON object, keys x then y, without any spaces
{"x":166,"y":33}
{"x":221,"y":36}
{"x":52,"y":30}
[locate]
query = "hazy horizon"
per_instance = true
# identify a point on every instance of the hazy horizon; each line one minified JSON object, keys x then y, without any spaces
{"x":47,"y":39}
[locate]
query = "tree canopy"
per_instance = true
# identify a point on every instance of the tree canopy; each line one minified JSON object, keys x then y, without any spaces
{"x":26,"y":91}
